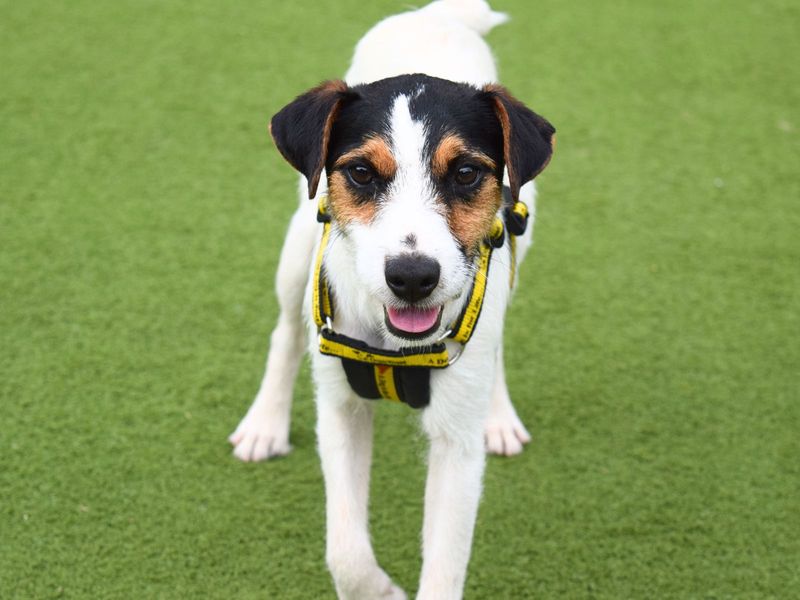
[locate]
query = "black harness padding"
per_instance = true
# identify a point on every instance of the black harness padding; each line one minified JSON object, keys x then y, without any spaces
{"x":361,"y":378}
{"x":412,"y":384}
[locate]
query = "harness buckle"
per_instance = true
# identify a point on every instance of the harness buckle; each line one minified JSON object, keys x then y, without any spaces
{"x":516,"y":218}
{"x":322,"y":210}
{"x":497,"y":234}
{"x":326,"y":326}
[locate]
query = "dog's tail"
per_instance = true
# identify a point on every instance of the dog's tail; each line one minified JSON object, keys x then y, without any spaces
{"x":475,"y":14}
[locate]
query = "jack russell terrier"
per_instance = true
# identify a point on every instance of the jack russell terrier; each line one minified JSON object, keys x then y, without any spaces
{"x":397,"y":276}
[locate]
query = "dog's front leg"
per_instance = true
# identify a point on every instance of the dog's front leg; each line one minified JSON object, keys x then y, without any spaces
{"x":264,"y":431}
{"x":452,"y":492}
{"x":505,"y":434}
{"x":344,"y":430}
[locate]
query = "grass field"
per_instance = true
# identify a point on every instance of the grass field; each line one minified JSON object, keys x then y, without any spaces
{"x":654,"y":349}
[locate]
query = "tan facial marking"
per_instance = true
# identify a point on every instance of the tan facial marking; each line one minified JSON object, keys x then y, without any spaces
{"x":471,"y":221}
{"x":447,"y":150}
{"x":376,"y":151}
{"x":346,"y":207}
{"x":451,"y":147}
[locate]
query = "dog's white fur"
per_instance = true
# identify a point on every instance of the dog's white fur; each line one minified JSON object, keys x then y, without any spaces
{"x":470,"y":410}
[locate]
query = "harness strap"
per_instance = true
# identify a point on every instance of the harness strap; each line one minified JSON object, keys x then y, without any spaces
{"x":468,"y":318}
{"x":322,"y":307}
{"x":516,"y":215}
{"x":337,"y":344}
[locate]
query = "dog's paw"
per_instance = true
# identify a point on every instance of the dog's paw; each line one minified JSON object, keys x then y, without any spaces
{"x":261,"y":435}
{"x":361,"y":582}
{"x":394,"y":593}
{"x":505,"y":435}
{"x":387,"y":590}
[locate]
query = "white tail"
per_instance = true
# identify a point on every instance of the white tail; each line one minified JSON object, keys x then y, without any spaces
{"x":443,"y":39}
{"x":475,"y":14}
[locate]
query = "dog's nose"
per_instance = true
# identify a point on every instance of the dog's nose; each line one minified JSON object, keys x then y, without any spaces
{"x":412,"y":277}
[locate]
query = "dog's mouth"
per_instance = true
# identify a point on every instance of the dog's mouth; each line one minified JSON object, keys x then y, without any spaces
{"x":413,"y":322}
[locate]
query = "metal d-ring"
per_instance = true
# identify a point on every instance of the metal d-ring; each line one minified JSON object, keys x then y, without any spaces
{"x":451,"y":360}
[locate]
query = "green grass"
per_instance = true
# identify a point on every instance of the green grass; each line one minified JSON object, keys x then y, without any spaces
{"x":655,"y":342}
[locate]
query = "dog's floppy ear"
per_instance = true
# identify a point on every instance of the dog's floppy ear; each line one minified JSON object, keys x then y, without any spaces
{"x":301,"y":129}
{"x":528,"y":138}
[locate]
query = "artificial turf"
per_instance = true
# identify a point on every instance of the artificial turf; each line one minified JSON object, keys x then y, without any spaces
{"x":653,"y":347}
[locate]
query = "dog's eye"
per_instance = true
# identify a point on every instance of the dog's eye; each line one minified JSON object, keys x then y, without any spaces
{"x":360,"y":174}
{"x":467,"y":175}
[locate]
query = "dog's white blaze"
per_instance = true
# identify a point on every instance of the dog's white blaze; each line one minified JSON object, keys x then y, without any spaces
{"x":411,"y":206}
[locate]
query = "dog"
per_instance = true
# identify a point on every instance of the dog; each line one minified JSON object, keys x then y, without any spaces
{"x":397,"y":275}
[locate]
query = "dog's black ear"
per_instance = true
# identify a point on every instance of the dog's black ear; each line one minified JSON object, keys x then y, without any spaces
{"x":528,"y":138}
{"x":301,"y":129}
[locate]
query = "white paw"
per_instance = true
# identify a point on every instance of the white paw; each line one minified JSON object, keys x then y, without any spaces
{"x":262,"y":434}
{"x":394,"y":593}
{"x":354,"y":582}
{"x":505,"y":435}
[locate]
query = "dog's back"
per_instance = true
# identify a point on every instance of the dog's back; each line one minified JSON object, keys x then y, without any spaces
{"x":442,"y":39}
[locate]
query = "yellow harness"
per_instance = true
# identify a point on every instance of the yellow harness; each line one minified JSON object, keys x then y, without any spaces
{"x":404,"y":375}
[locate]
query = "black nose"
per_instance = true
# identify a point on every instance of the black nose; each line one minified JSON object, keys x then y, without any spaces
{"x":412,"y":277}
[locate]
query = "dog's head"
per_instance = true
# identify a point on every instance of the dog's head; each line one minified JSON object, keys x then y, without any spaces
{"x":414,"y":169}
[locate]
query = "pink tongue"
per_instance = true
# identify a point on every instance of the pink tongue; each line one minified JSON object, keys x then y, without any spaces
{"x":412,"y":320}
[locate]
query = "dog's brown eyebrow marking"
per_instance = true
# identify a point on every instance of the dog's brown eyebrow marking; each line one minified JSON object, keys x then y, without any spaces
{"x":345,"y":205}
{"x":451,"y":147}
{"x":471,"y":222}
{"x":376,"y":151}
